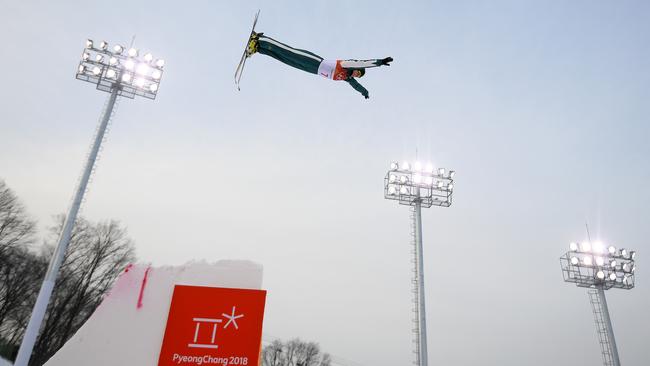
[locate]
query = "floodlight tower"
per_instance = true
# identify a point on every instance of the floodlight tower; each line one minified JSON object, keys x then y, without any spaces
{"x":418,"y":187}
{"x":599,"y":268}
{"x":120,"y":72}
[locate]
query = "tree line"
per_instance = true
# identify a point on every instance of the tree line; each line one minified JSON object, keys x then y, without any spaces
{"x":96,"y":255}
{"x":294,"y":352}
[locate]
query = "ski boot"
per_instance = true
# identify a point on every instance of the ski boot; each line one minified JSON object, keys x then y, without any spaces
{"x":251,"y":48}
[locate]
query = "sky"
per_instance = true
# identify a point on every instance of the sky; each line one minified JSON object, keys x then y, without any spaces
{"x":539,"y":106}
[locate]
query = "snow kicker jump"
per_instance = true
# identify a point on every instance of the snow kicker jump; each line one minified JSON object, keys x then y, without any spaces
{"x":346,"y":70}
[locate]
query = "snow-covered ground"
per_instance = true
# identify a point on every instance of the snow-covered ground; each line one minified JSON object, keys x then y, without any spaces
{"x":4,"y":362}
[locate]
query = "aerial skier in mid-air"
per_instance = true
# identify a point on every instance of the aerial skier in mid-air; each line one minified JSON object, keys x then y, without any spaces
{"x":347,"y":70}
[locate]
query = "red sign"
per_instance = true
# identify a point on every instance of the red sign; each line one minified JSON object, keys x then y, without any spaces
{"x":213,"y":326}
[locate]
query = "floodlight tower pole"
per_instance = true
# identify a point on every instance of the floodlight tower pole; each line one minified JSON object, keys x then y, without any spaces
{"x":419,"y":188}
{"x":608,"y":326}
{"x":599,"y":268}
{"x":111,"y":72}
{"x":34,"y":325}
{"x":423,"y":356}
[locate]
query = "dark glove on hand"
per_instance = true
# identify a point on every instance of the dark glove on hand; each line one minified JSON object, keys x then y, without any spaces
{"x":366,"y":96}
{"x":386,"y":61}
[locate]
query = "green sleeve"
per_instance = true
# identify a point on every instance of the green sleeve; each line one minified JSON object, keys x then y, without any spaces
{"x":358,"y":87}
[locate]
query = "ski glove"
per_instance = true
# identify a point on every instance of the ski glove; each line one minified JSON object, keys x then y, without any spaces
{"x":387,"y":61}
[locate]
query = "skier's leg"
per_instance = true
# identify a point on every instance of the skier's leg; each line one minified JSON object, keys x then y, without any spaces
{"x":300,"y":59}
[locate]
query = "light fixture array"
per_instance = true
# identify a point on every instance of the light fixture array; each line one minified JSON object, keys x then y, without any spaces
{"x":119,"y":68}
{"x":409,"y":183}
{"x":595,"y":264}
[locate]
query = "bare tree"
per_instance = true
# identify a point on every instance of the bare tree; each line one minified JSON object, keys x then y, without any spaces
{"x":97,"y":254}
{"x":271,"y":354}
{"x":19,"y":285}
{"x":294,"y":353}
{"x":19,"y":269}
{"x":16,"y":229}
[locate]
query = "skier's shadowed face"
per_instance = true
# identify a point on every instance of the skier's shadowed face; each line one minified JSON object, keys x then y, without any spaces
{"x":356,"y":73}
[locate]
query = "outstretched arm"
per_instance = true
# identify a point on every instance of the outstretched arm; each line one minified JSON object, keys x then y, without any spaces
{"x":358,"y":87}
{"x":364,"y":64}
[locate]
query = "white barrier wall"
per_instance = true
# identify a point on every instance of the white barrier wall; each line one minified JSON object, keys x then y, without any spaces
{"x":127,"y":328}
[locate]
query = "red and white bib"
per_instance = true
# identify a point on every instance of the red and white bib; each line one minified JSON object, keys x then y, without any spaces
{"x":332,"y":69}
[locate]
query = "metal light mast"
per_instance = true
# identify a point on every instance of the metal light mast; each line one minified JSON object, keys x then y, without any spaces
{"x":417,"y":187}
{"x":119,"y":72}
{"x":599,"y":268}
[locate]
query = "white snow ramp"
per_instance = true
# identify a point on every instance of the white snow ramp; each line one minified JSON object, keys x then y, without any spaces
{"x":128,"y":327}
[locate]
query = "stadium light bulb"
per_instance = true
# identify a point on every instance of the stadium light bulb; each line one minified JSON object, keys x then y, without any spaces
{"x":85,"y":56}
{"x":139,"y":82}
{"x":110,"y":74}
{"x":417,"y":179}
{"x":99,"y":57}
{"x":632,"y":254}
{"x":450,"y":187}
{"x":441,"y":171}
{"x":129,"y":64}
{"x":429,"y":168}
{"x":612,"y":276}
{"x":405,"y":165}
{"x":391,"y":190}
{"x":97,"y":70}
{"x":587,"y":261}
{"x":612,"y":264}
{"x":573,"y":247}
{"x":586,"y":246}
{"x":126,"y":78}
{"x":133,"y":52}
{"x":393,"y":165}
{"x":156,"y":75}
{"x":118,"y":49}
{"x":612,"y":249}
{"x":600,"y":261}
{"x":417,"y":166}
{"x":112,"y":61}
{"x":103,"y":45}
{"x":392,"y":178}
{"x":404,"y":190}
{"x":81,"y":69}
{"x":575,"y":261}
{"x":428,"y":181}
{"x":153,"y":87}
{"x":452,"y":173}
{"x":624,"y":253}
{"x":598,"y":247}
{"x":626,"y":267}
{"x":148,"y":57}
{"x":403,"y":179}
{"x":142,"y":69}
{"x":160,"y":63}
{"x":628,"y":280}
{"x":89,"y":43}
{"x":600,"y":275}
{"x":440,"y":185}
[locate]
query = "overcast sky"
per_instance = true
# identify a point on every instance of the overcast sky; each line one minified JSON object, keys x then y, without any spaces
{"x":541,"y":108}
